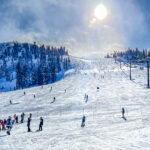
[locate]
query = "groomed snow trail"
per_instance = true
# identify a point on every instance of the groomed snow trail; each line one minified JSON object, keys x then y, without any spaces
{"x":104,"y":130}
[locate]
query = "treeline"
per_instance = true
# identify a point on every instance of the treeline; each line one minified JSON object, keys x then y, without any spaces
{"x":30,"y":64}
{"x":130,"y":54}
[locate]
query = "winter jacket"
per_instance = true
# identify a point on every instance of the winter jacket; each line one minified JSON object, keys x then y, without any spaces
{"x":123,"y":111}
{"x":41,"y":122}
{"x":3,"y":124}
{"x":83,"y":119}
{"x":29,"y":120}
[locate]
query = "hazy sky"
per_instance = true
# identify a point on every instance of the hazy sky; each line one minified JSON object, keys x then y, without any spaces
{"x":70,"y":23}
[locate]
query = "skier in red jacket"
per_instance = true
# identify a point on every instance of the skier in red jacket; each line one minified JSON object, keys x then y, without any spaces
{"x":3,"y":125}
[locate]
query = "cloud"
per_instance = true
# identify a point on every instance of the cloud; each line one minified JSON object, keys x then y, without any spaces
{"x":71,"y":23}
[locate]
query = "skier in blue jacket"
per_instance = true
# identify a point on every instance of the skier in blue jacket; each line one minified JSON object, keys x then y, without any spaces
{"x":83,"y":121}
{"x":123,"y":112}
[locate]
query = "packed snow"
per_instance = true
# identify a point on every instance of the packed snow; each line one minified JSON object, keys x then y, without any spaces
{"x":104,"y":128}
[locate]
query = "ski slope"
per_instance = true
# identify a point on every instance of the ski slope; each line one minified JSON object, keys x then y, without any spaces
{"x":104,"y":129}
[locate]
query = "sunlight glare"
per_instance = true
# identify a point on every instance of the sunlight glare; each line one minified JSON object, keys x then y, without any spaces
{"x":100,"y":12}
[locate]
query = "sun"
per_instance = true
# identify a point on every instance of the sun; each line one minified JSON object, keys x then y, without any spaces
{"x":100,"y":12}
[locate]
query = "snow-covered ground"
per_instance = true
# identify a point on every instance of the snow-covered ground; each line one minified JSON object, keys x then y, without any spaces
{"x":104,"y":130}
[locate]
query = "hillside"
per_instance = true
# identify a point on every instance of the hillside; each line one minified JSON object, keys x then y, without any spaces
{"x":24,"y":65}
{"x":104,"y":128}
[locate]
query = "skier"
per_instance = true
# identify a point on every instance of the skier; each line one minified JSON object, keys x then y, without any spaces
{"x":3,"y":125}
{"x":86,"y":98}
{"x":22,"y":117}
{"x":41,"y":124}
{"x":10,"y":102}
{"x":5,"y":121}
{"x":15,"y":116}
{"x":53,"y":100}
{"x":51,"y":89}
{"x":8,"y":122}
{"x":16,"y":119}
{"x":34,"y":95}
{"x":123,"y":112}
{"x":28,"y":124}
{"x":24,"y":93}
{"x":9,"y":125}
{"x":83,"y":121}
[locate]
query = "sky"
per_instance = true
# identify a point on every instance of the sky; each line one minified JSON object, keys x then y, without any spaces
{"x":71,"y":23}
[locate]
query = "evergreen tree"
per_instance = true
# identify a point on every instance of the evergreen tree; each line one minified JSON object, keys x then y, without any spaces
{"x":18,"y":76}
{"x":40,"y":75}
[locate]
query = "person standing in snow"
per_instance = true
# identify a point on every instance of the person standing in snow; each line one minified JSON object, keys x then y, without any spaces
{"x":9,"y":125}
{"x":15,"y":116}
{"x":22,"y":117}
{"x":53,"y":100}
{"x":123,"y":112}
{"x":51,"y":89}
{"x":83,"y":121}
{"x":86,"y":98}
{"x":16,"y":119}
{"x":34,"y":96}
{"x":28,"y":124}
{"x":10,"y":102}
{"x":41,"y":124}
{"x":3,"y":125}
{"x":24,"y":93}
{"x":8,"y":122}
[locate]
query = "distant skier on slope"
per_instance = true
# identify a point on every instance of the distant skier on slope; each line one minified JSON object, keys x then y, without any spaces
{"x":51,"y":89}
{"x":16,"y":119}
{"x":83,"y":121}
{"x":41,"y":124}
{"x":54,"y":99}
{"x":97,"y":88}
{"x":28,"y":124}
{"x":15,"y":116}
{"x":3,"y":125}
{"x":22,"y":117}
{"x":10,"y":102}
{"x":86,"y":99}
{"x":123,"y":112}
{"x":9,"y":124}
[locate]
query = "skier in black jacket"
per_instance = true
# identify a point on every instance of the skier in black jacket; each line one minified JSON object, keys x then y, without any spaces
{"x":22,"y":117}
{"x":41,"y":124}
{"x":28,"y":124}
